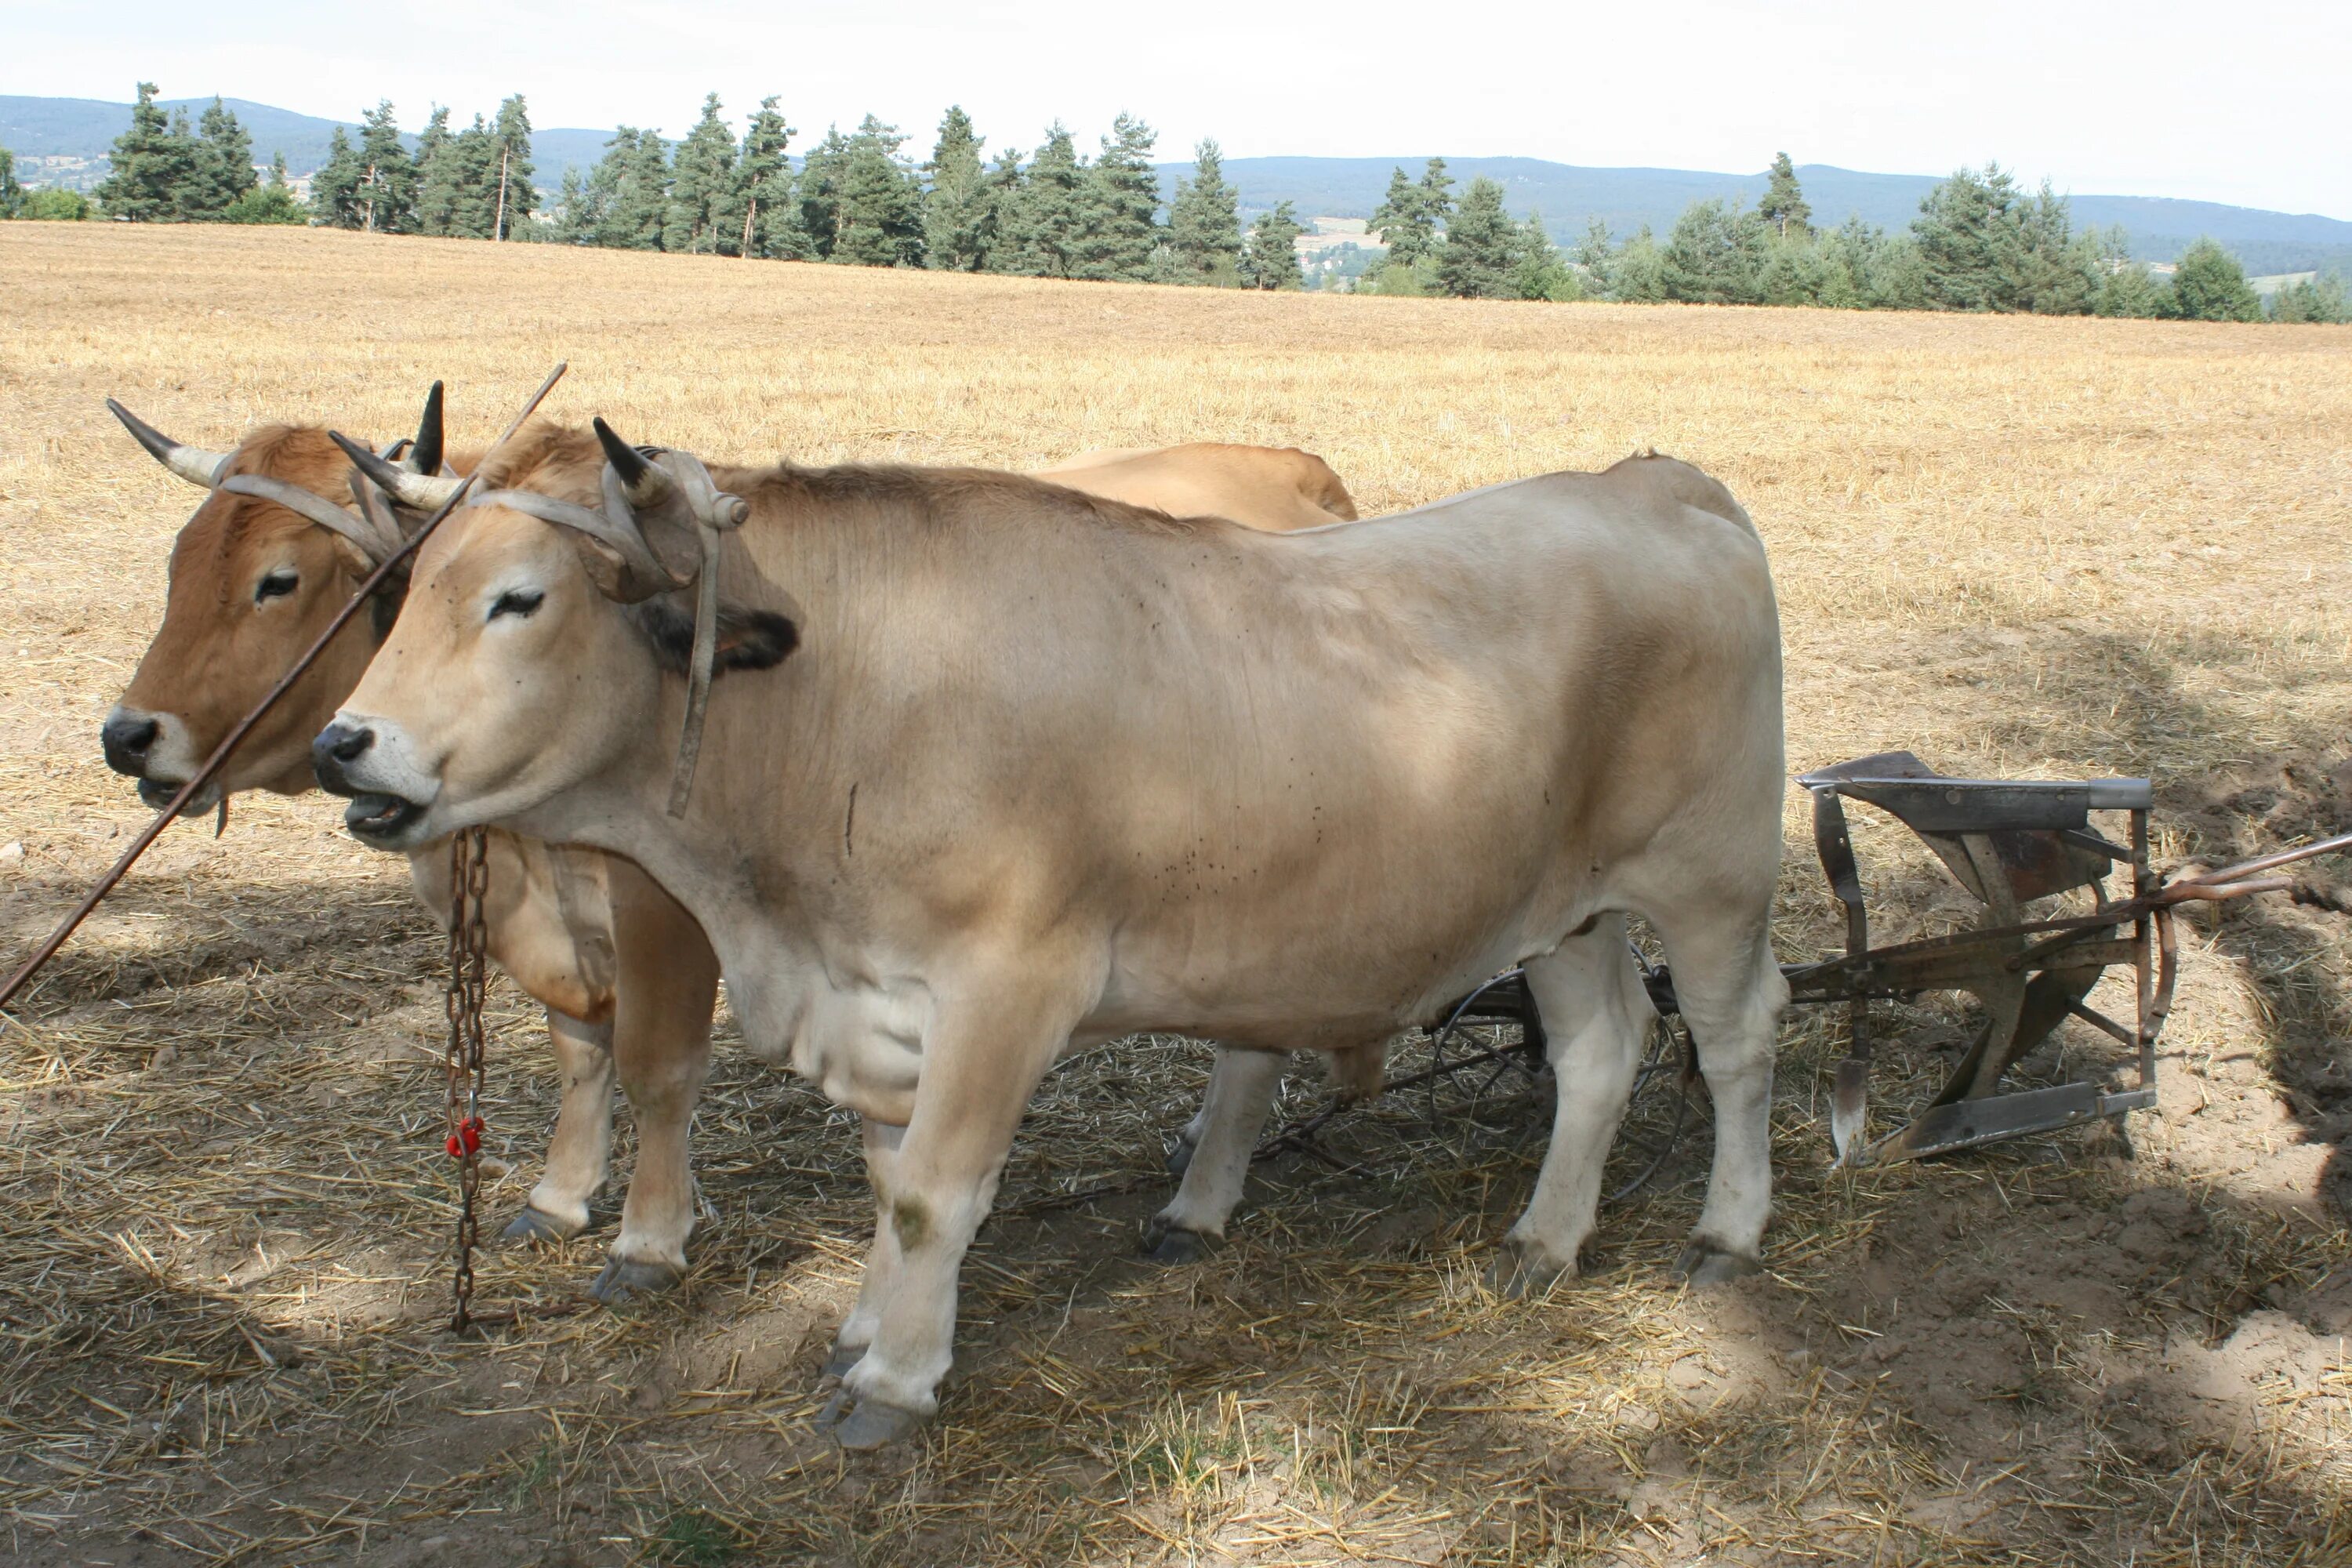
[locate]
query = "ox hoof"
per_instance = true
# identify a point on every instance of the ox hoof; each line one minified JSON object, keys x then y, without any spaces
{"x":1703,"y":1263}
{"x":1521,"y":1269}
{"x":875,"y":1425}
{"x":1180,"y":1156}
{"x":842,"y":1358}
{"x":539,"y":1227}
{"x":624,"y":1278}
{"x":1164,"y":1242}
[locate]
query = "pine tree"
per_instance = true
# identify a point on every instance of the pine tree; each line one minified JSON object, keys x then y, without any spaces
{"x":880,"y":218}
{"x":1783,"y":203}
{"x":639,"y":203}
{"x":473,"y":156}
{"x":1044,"y":223}
{"x":1638,"y":271}
{"x":335,"y":187}
{"x":437,"y":175}
{"x":148,"y":164}
{"x":701,"y":175}
{"x":2319,"y":297}
{"x":1204,"y":223}
{"x":273,"y":203}
{"x":221,"y":169}
{"x":819,"y":190}
{"x":1121,"y":195}
{"x":758,"y":213}
{"x":1969,"y":237}
{"x":1540,"y":272}
{"x":1715,"y":254}
{"x":1594,"y":255}
{"x":1271,"y":259}
{"x":1007,"y":184}
{"x":2207,"y":285}
{"x":1436,"y":205}
{"x":956,"y":208}
{"x":578,"y":217}
{"x":1397,"y":220}
{"x":12,"y":195}
{"x":1481,"y":247}
{"x":386,"y":197}
{"x":510,"y":143}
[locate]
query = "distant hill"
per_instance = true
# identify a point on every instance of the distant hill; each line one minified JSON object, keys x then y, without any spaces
{"x":1568,"y":195}
{"x":64,"y":140}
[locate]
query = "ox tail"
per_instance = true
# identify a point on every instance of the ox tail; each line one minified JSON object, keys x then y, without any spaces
{"x":1358,"y":1072}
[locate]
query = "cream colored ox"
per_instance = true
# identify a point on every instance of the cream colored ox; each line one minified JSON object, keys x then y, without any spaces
{"x":993,"y":770}
{"x":626,"y":977}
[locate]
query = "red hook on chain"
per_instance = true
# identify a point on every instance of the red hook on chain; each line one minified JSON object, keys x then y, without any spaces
{"x":466,"y":1140}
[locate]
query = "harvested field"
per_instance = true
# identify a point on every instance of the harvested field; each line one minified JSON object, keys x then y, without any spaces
{"x":2017,"y":546}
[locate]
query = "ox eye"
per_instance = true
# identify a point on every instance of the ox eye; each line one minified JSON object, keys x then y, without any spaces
{"x":277,"y":585}
{"x":517,"y":602}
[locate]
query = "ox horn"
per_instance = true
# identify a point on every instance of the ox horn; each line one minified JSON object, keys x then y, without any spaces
{"x":363,"y":533}
{"x":425,"y":452}
{"x":194,"y":464}
{"x":642,"y":482}
{"x":420,"y":492}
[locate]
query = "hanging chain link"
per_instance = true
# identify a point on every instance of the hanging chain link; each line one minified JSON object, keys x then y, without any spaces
{"x":469,"y":873}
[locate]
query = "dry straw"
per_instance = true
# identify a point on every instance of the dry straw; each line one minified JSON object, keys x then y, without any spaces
{"x":2062,"y":548}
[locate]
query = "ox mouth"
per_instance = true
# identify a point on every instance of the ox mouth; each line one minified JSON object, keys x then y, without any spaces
{"x":155,"y":794}
{"x":381,"y":818}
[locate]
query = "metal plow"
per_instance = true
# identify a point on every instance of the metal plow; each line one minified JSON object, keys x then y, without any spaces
{"x":2059,"y":903}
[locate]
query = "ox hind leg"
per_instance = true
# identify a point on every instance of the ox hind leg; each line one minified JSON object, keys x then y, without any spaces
{"x":580,"y":1151}
{"x":666,"y":990}
{"x":1215,"y":1148}
{"x":1594,"y":1008}
{"x":1241,"y":1092}
{"x":1731,"y":994}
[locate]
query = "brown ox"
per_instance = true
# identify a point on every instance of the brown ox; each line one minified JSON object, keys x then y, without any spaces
{"x":993,"y":770}
{"x":626,"y":975}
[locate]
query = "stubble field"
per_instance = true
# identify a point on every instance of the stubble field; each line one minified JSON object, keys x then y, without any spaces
{"x":2015,"y":546}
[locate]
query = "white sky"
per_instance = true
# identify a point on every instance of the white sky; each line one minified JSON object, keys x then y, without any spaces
{"x":2175,"y":98}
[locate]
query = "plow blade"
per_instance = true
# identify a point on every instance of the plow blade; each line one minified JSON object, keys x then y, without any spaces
{"x":1965,"y":1123}
{"x":1849,"y":1107}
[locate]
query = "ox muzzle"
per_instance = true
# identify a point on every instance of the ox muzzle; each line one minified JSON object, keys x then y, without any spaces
{"x":374,"y":816}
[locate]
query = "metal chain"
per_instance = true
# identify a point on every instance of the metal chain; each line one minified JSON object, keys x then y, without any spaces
{"x":469,"y":873}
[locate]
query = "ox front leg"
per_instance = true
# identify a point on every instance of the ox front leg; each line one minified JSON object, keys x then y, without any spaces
{"x":1731,"y":994}
{"x":580,"y":1152}
{"x":983,"y":1059}
{"x":1590,"y":996}
{"x":661,"y":1044}
{"x":1233,"y":1112}
{"x":881,"y":1276}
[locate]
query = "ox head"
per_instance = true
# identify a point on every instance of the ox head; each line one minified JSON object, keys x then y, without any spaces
{"x":256,"y":573}
{"x":544,"y":619}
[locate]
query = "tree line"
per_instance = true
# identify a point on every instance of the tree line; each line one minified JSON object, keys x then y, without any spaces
{"x":1979,"y":244}
{"x":858,"y":199}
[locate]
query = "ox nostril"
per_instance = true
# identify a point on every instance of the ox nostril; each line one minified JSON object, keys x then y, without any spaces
{"x":126,"y":737}
{"x":338,"y":743}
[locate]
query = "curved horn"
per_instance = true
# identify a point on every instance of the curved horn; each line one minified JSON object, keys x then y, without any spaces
{"x":422,"y":492}
{"x":193,"y":464}
{"x":425,"y":454}
{"x":316,"y":508}
{"x":641,"y":481}
{"x":641,"y":575}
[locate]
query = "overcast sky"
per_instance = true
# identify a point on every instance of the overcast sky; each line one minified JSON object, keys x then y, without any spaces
{"x":2143,"y":97}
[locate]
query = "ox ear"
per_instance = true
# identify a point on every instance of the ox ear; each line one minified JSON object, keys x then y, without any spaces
{"x":748,"y":638}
